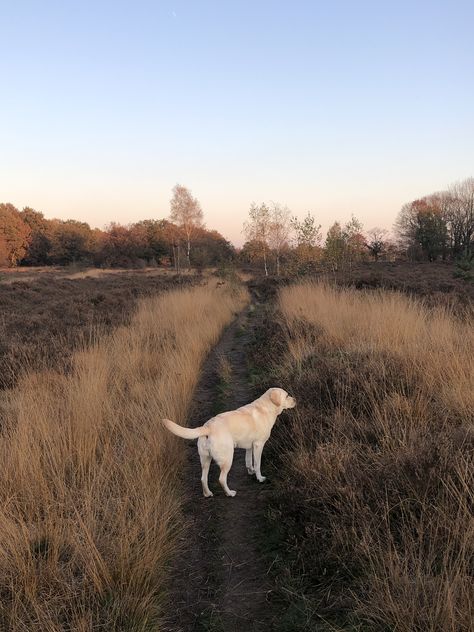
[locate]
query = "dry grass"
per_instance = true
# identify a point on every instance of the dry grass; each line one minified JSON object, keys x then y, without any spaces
{"x":42,"y":322}
{"x":376,"y":486}
{"x":90,"y":500}
{"x":95,"y":273}
{"x":31,"y":274}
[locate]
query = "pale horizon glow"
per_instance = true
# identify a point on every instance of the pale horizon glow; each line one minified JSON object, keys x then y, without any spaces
{"x":334,"y":108}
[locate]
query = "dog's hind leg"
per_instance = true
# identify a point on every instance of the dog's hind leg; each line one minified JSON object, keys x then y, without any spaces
{"x":223,"y":453}
{"x":249,"y":461}
{"x":225,"y":467}
{"x":206,"y":459}
{"x":205,"y":464}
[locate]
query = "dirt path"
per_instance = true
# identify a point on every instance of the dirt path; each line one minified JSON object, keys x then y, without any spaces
{"x":220,"y":580}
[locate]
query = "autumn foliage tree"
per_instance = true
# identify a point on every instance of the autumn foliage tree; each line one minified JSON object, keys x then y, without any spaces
{"x":152,"y":239}
{"x":251,"y":253}
{"x":422,"y":229}
{"x":119,"y":246}
{"x":39,"y":245}
{"x":440,"y":224}
{"x":4,"y":251}
{"x":71,"y":242}
{"x":14,"y":234}
{"x":211,"y":249}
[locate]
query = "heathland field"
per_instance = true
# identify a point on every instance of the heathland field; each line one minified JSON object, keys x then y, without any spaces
{"x":372,"y":502}
{"x":365,"y":522}
{"x":46,"y":313}
{"x":90,"y":504}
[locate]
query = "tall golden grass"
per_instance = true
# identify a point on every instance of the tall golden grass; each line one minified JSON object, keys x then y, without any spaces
{"x":90,"y":496}
{"x":380,"y":466}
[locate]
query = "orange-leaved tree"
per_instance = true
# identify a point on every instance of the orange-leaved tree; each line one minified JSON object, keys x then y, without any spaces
{"x":15,"y":234}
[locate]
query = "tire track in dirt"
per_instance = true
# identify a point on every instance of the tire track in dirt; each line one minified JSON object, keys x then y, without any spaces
{"x":219,"y":580}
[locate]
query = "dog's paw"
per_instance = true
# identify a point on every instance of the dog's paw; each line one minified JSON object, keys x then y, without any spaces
{"x":261,"y":479}
{"x":231,"y":493}
{"x":208,"y":495}
{"x":251,"y":471}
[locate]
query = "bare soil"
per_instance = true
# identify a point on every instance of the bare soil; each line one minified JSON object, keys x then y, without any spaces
{"x":220,"y":580}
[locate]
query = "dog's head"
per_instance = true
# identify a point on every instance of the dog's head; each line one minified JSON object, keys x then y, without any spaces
{"x":280,"y":398}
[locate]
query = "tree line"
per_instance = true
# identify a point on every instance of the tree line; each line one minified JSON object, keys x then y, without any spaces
{"x":437,"y":226}
{"x":28,"y":238}
{"x":276,"y":238}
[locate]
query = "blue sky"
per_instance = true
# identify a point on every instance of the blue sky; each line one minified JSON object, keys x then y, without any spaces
{"x":336,"y":108}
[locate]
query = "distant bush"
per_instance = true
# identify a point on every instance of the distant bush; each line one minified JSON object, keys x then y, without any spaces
{"x":465,"y":268}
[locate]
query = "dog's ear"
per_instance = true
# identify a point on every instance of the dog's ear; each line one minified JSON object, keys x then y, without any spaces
{"x":277,"y":396}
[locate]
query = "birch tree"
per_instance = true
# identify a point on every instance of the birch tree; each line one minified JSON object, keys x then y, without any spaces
{"x":186,"y":213}
{"x":354,"y":241}
{"x":257,"y":229}
{"x":279,"y":231}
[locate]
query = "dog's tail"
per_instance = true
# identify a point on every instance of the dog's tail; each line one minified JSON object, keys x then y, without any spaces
{"x":186,"y":433}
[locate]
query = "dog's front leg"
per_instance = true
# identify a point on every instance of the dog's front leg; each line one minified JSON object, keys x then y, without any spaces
{"x":257,"y":455}
{"x":249,"y":461}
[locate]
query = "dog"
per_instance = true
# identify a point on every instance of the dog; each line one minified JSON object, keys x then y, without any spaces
{"x":248,"y":427}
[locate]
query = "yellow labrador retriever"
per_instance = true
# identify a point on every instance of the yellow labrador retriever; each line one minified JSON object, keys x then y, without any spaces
{"x":248,"y":427}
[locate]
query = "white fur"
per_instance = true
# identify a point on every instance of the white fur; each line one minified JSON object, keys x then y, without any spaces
{"x":248,"y":427}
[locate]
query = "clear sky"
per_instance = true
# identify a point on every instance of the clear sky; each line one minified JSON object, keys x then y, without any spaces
{"x":335,"y":107}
